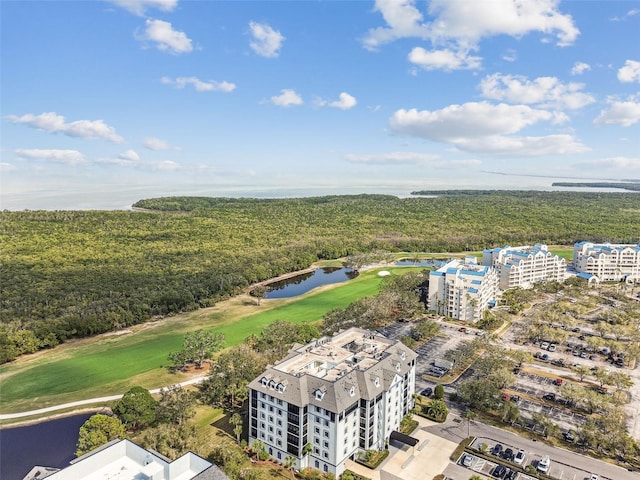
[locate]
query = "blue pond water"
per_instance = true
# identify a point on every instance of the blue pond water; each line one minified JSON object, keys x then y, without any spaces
{"x":420,"y":263}
{"x":300,"y":284}
{"x":47,"y":444}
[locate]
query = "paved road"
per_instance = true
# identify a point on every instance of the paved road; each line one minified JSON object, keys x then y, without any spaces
{"x":90,"y":401}
{"x":573,"y":466}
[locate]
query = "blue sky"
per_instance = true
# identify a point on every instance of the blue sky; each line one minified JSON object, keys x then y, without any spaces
{"x":107,"y":102}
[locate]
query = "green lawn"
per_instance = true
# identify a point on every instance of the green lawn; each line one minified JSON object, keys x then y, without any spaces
{"x":112,"y":366}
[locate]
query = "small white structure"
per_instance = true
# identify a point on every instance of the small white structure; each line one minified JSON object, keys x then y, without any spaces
{"x":124,"y":460}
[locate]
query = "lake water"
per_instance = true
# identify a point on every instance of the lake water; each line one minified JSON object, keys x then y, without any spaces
{"x":291,"y":287}
{"x":420,"y":263}
{"x":48,"y":444}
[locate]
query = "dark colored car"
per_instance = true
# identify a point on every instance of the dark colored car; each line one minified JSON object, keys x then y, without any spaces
{"x":499,"y":471}
{"x":508,"y":454}
{"x":427,"y":391}
{"x":497,"y":450}
{"x":511,"y":475}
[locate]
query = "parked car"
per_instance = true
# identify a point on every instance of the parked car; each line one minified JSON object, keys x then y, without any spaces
{"x":549,"y":396}
{"x":544,"y":357}
{"x":552,"y":347}
{"x":544,"y":464}
{"x":467,"y":459}
{"x":427,"y":392}
{"x":515,"y":398}
{"x":558,"y":381}
{"x":508,"y":454}
{"x":519,"y":458}
{"x":511,"y":475}
{"x":569,"y":436}
{"x":593,"y":477}
{"x":497,"y":450}
{"x":544,"y":345}
{"x":499,"y":471}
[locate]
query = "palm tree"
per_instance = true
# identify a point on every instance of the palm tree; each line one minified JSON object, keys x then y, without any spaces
{"x":289,"y":462}
{"x":470,"y":415}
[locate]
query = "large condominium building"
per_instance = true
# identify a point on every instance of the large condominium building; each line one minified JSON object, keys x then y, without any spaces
{"x":524,"y":266}
{"x":608,"y":261}
{"x":462,"y":290}
{"x":332,"y":398}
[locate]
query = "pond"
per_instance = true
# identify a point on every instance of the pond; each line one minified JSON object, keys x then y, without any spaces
{"x":420,"y":263}
{"x":47,"y":444}
{"x":291,"y":287}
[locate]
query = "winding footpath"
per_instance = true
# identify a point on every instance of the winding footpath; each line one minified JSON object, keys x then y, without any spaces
{"x":89,"y":401}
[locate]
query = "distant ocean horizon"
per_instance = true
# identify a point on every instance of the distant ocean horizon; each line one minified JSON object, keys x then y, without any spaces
{"x":122,"y":197}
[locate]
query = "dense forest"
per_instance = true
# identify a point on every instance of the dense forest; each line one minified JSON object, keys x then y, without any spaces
{"x":77,"y":273}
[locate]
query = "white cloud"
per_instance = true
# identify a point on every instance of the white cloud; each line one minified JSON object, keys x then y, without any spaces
{"x":266,"y":41}
{"x":444,"y":59}
{"x":523,"y":146}
{"x":403,"y":20}
{"x":200,"y":85}
{"x":579,"y":68}
{"x":545,"y":91}
{"x":54,"y":123}
{"x":510,"y":55}
{"x":139,"y":7}
{"x":623,"y":163}
{"x":6,"y":167}
{"x":130,"y":155}
{"x":344,"y":102}
{"x":391,"y":158}
{"x":166,"y":38}
{"x":485,"y":128}
{"x":474,"y":119}
{"x":630,"y":72}
{"x":624,"y":113}
{"x":631,"y":13}
{"x":68,"y":157}
{"x":153,"y":143}
{"x":472,"y":21}
{"x":467,"y":22}
{"x":287,"y":98}
{"x":166,"y":165}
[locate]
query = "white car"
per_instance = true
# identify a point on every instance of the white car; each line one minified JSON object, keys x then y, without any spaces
{"x":544,"y":464}
{"x":593,"y":477}
{"x":467,"y":459}
{"x":519,"y":458}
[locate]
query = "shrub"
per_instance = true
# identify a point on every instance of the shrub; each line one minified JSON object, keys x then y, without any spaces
{"x":438,"y":392}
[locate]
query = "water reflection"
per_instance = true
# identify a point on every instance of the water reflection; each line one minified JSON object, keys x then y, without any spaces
{"x":420,"y":263}
{"x":291,"y":287}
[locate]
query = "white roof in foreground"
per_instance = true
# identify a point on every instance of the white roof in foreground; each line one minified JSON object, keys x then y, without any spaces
{"x":124,"y":460}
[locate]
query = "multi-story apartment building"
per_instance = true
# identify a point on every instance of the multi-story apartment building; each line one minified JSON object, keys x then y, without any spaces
{"x":462,"y":290}
{"x":524,"y":266}
{"x":608,"y":261}
{"x":332,"y":398}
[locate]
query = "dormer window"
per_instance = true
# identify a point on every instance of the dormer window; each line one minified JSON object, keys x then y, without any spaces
{"x":281,"y":387}
{"x":264,"y":381}
{"x":319,"y":393}
{"x":352,"y":391}
{"x":376,"y":382}
{"x":272,"y":384}
{"x":403,"y":355}
{"x":397,"y":367}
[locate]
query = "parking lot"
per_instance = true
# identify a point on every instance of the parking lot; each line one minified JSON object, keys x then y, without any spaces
{"x":557,"y":469}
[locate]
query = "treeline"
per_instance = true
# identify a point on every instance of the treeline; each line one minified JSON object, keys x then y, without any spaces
{"x":77,"y":273}
{"x":631,"y":186}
